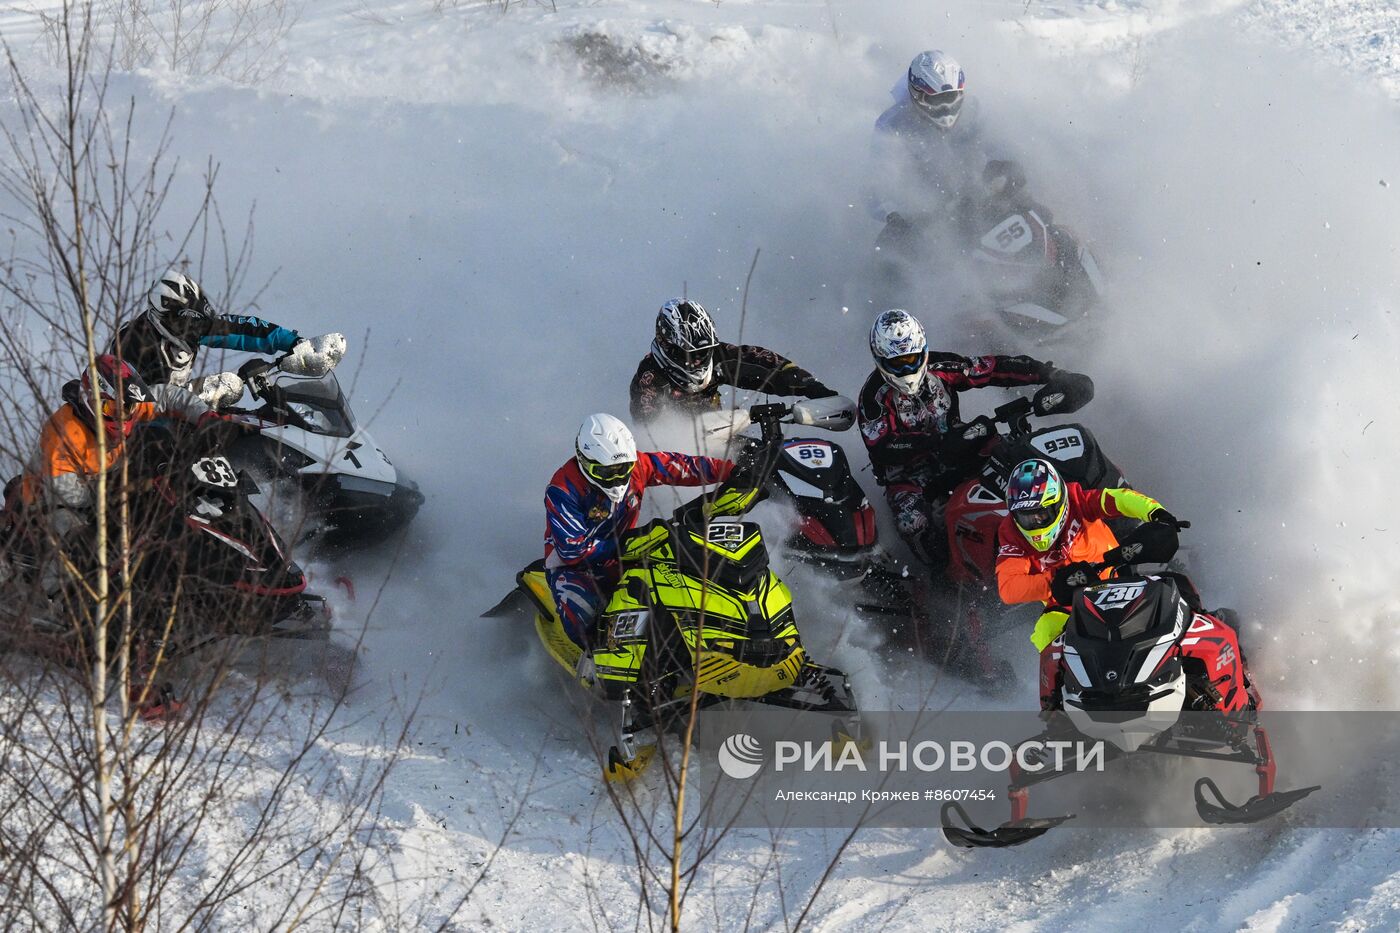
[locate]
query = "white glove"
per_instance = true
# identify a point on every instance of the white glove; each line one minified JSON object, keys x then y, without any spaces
{"x":315,"y":356}
{"x":219,"y":390}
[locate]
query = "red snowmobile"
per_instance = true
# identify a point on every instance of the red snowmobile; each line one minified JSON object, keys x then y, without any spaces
{"x":1138,"y":652}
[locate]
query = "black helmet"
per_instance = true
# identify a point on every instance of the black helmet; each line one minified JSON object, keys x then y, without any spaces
{"x":176,"y":302}
{"x":685,"y":344}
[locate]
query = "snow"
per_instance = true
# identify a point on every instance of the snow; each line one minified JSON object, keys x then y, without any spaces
{"x":492,"y":203}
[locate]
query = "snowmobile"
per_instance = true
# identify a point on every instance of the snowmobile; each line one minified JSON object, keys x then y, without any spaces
{"x":697,"y":610}
{"x":1037,"y":276}
{"x":836,"y":527}
{"x":1137,"y":652}
{"x":206,"y":564}
{"x":304,"y":431}
{"x":200,"y":530}
{"x":942,"y":620}
{"x":977,"y":506}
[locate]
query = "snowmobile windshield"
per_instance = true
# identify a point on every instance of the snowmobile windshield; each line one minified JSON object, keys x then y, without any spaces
{"x":316,"y":401}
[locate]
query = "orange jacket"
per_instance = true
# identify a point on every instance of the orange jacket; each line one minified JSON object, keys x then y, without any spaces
{"x":67,"y":457}
{"x":1024,"y":574}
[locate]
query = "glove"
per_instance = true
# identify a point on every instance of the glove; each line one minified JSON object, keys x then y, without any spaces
{"x":816,"y":389}
{"x":1063,"y":392}
{"x":1070,"y":578}
{"x":962,"y":439}
{"x":315,"y":356}
{"x":1162,"y":516}
{"x":977,"y":429}
{"x":219,"y":390}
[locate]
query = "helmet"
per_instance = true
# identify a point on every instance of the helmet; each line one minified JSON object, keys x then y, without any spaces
{"x":1038,"y":502}
{"x":936,"y":87}
{"x":685,"y":343}
{"x":176,"y":302}
{"x":900,"y":349}
{"x":1003,"y":178}
{"x":606,"y":454}
{"x":119,"y":391}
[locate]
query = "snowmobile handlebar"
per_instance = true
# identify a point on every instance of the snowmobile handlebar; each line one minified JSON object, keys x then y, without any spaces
{"x":255,"y":373}
{"x":1064,"y":392}
{"x":833,"y":413}
{"x":1149,"y":543}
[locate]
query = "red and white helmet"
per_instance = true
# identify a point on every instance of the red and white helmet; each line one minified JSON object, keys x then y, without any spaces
{"x":113,"y":400}
{"x":900,"y":349}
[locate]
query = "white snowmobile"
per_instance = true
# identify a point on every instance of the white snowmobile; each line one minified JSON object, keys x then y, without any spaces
{"x":304,"y":431}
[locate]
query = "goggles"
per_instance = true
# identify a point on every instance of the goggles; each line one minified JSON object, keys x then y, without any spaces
{"x":694,"y":360}
{"x":905,"y":365}
{"x":938,"y":103}
{"x":113,"y":410}
{"x":608,"y":474}
{"x":1036,"y":519}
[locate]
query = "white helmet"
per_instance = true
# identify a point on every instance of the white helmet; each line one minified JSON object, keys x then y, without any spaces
{"x":606,"y":454}
{"x":685,"y":344}
{"x":936,"y":87}
{"x":900,"y":349}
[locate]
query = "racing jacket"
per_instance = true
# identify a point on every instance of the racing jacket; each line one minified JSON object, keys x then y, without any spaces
{"x":583,"y":527}
{"x":61,"y":469}
{"x":911,"y":157}
{"x":1024,"y":574}
{"x":906,"y":435}
{"x":744,"y":367}
{"x":161,"y":358}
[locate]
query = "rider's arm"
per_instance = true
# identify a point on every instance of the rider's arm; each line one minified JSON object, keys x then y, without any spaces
{"x":65,"y":462}
{"x":647,"y":393}
{"x":1018,"y":579}
{"x":888,"y":446}
{"x":1118,"y":503}
{"x":759,"y":369}
{"x":664,"y":468}
{"x":567,"y":525}
{"x":959,"y":372}
{"x":172,"y":400}
{"x":247,"y":333}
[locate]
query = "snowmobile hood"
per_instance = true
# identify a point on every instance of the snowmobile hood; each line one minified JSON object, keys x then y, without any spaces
{"x":355,"y":456}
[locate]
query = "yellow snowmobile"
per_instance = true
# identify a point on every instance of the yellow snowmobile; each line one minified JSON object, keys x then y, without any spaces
{"x":697,"y":609}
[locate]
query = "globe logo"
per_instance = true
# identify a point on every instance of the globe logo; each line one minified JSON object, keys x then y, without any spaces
{"x":741,"y":756}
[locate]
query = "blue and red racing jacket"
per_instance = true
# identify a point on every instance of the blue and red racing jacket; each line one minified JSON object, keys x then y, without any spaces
{"x":583,"y":526}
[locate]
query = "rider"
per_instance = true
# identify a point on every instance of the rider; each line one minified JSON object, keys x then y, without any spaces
{"x":688,"y":364}
{"x":59,"y":477}
{"x":1049,"y":544}
{"x":162,"y":341}
{"x":593,"y":501}
{"x":908,"y":416}
{"x":930,"y":137}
